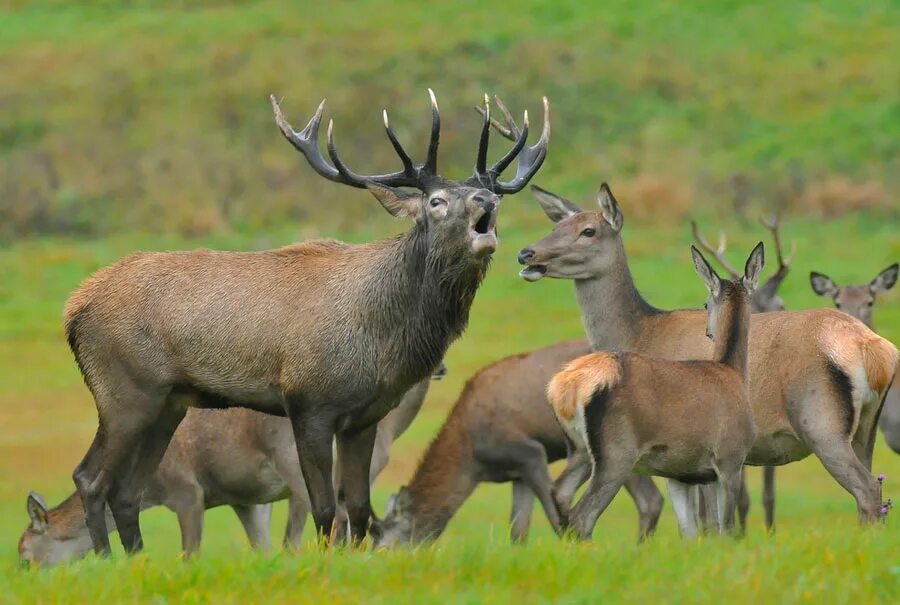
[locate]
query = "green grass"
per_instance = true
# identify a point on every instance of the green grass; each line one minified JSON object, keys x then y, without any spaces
{"x":47,"y":419}
{"x":154,"y":115}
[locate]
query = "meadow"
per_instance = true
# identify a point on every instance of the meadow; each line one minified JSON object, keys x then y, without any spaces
{"x":144,"y":126}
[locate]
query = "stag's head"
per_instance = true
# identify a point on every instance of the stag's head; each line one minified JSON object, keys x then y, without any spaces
{"x":855,"y":300}
{"x":582,"y":245}
{"x":452,"y":213}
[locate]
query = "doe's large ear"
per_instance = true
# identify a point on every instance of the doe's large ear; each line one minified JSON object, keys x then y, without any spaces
{"x":885,"y":280}
{"x":402,"y":204}
{"x":754,"y":266}
{"x":555,"y":207}
{"x":822,"y":284}
{"x":706,"y":272}
{"x":37,"y":511}
{"x":609,"y":208}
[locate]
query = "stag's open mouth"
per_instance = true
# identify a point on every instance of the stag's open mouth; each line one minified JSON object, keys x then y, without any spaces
{"x":533,"y":272}
{"x":484,"y":233}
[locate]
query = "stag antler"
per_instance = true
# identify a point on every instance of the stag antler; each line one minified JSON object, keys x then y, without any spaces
{"x":718,"y":253}
{"x":424,"y":175}
{"x":530,"y":157}
{"x":773,"y":225}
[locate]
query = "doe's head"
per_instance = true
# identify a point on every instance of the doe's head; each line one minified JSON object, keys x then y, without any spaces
{"x":855,"y":300}
{"x":582,"y":245}
{"x":43,"y":543}
{"x":724,"y":294}
{"x":397,"y":525}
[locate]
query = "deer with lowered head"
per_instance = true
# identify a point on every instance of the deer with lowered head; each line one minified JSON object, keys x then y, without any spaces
{"x":687,"y":421}
{"x":765,"y":298}
{"x":327,"y":333}
{"x":501,"y":429}
{"x":234,"y":457}
{"x":817,"y":377}
{"x":858,"y":301}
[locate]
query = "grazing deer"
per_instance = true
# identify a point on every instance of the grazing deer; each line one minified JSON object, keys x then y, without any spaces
{"x":329,"y":334}
{"x":234,"y":457}
{"x":816,"y":377}
{"x":500,"y":429}
{"x":764,"y":299}
{"x":858,"y":301}
{"x":688,"y":421}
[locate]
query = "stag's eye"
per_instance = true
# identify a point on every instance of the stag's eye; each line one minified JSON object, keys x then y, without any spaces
{"x":589,"y":232}
{"x":437,"y":201}
{"x":837,"y":305}
{"x":870,"y":303}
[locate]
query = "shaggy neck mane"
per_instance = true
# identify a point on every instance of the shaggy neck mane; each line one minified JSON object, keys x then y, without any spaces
{"x":427,"y":290}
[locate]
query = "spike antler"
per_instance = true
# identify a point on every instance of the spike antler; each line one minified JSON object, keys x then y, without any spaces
{"x":718,"y":253}
{"x":420,"y":176}
{"x":530,"y":157}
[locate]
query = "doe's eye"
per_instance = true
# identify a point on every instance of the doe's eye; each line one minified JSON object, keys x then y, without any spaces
{"x":437,"y":201}
{"x":589,"y":232}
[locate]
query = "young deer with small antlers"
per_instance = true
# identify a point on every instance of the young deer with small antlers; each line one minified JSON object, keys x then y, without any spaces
{"x":687,"y":421}
{"x":817,"y":377}
{"x":858,"y":301}
{"x":764,"y":299}
{"x":234,"y":457}
{"x":329,"y":334}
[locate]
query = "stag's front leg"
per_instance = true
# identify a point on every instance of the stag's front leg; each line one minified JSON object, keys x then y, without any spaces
{"x":355,"y":453}
{"x":314,"y":433}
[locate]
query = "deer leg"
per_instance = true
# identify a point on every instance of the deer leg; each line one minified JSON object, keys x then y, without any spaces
{"x":684,"y":503}
{"x":534,"y":473}
{"x":728,"y":489}
{"x":147,"y":450}
{"x":189,"y":507}
{"x":600,"y":491}
{"x":298,"y":508}
{"x":577,"y":471}
{"x":92,"y":484}
{"x":355,"y":453}
{"x":314,"y":434}
{"x":649,"y":503}
{"x":768,"y":497}
{"x":743,"y":502}
{"x":520,"y":516}
{"x":256,"y":518}
{"x":842,"y":463}
{"x":708,"y":507}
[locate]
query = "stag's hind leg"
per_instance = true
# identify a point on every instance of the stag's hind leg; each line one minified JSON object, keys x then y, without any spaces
{"x":520,"y":515}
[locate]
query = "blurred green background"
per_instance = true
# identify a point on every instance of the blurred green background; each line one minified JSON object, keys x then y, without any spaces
{"x":131,"y":126}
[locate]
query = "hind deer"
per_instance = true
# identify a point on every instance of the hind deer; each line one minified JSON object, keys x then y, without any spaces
{"x":501,"y":429}
{"x":858,"y":301}
{"x":234,"y":457}
{"x":687,"y":421}
{"x":817,"y":377}
{"x":329,"y":334}
{"x":764,"y":299}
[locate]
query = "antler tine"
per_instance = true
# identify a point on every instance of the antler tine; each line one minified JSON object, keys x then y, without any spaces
{"x":430,"y":166}
{"x":481,"y":159}
{"x":530,"y":158}
{"x":510,"y":131}
{"x":717,"y":253}
{"x":307,"y":140}
{"x":403,"y":178}
{"x":773,"y":225}
{"x":401,"y":152}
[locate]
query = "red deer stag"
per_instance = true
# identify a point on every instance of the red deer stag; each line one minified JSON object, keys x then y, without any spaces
{"x":234,"y":457}
{"x":764,"y":299}
{"x":500,"y":429}
{"x":329,"y":334}
{"x":816,"y":377}
{"x":688,"y":421}
{"x":858,"y":301}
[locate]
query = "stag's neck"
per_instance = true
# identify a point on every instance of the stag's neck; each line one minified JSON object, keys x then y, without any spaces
{"x":612,"y":309}
{"x":732,"y":335}
{"x":422,"y":302}
{"x":444,"y":479}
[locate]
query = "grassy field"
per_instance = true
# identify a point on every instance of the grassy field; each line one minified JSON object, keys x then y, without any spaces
{"x":47,"y":419}
{"x":145,"y":126}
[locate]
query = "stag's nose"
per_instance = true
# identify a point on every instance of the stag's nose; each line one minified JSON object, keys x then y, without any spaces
{"x":525,"y":255}
{"x":486,"y":200}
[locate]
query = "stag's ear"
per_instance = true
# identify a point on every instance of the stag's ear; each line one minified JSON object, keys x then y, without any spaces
{"x":402,"y":204}
{"x":706,"y":272}
{"x":753,"y":268}
{"x":609,"y":208}
{"x":885,"y":280}
{"x":822,"y":284}
{"x":37,"y":511}
{"x":555,"y":207}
